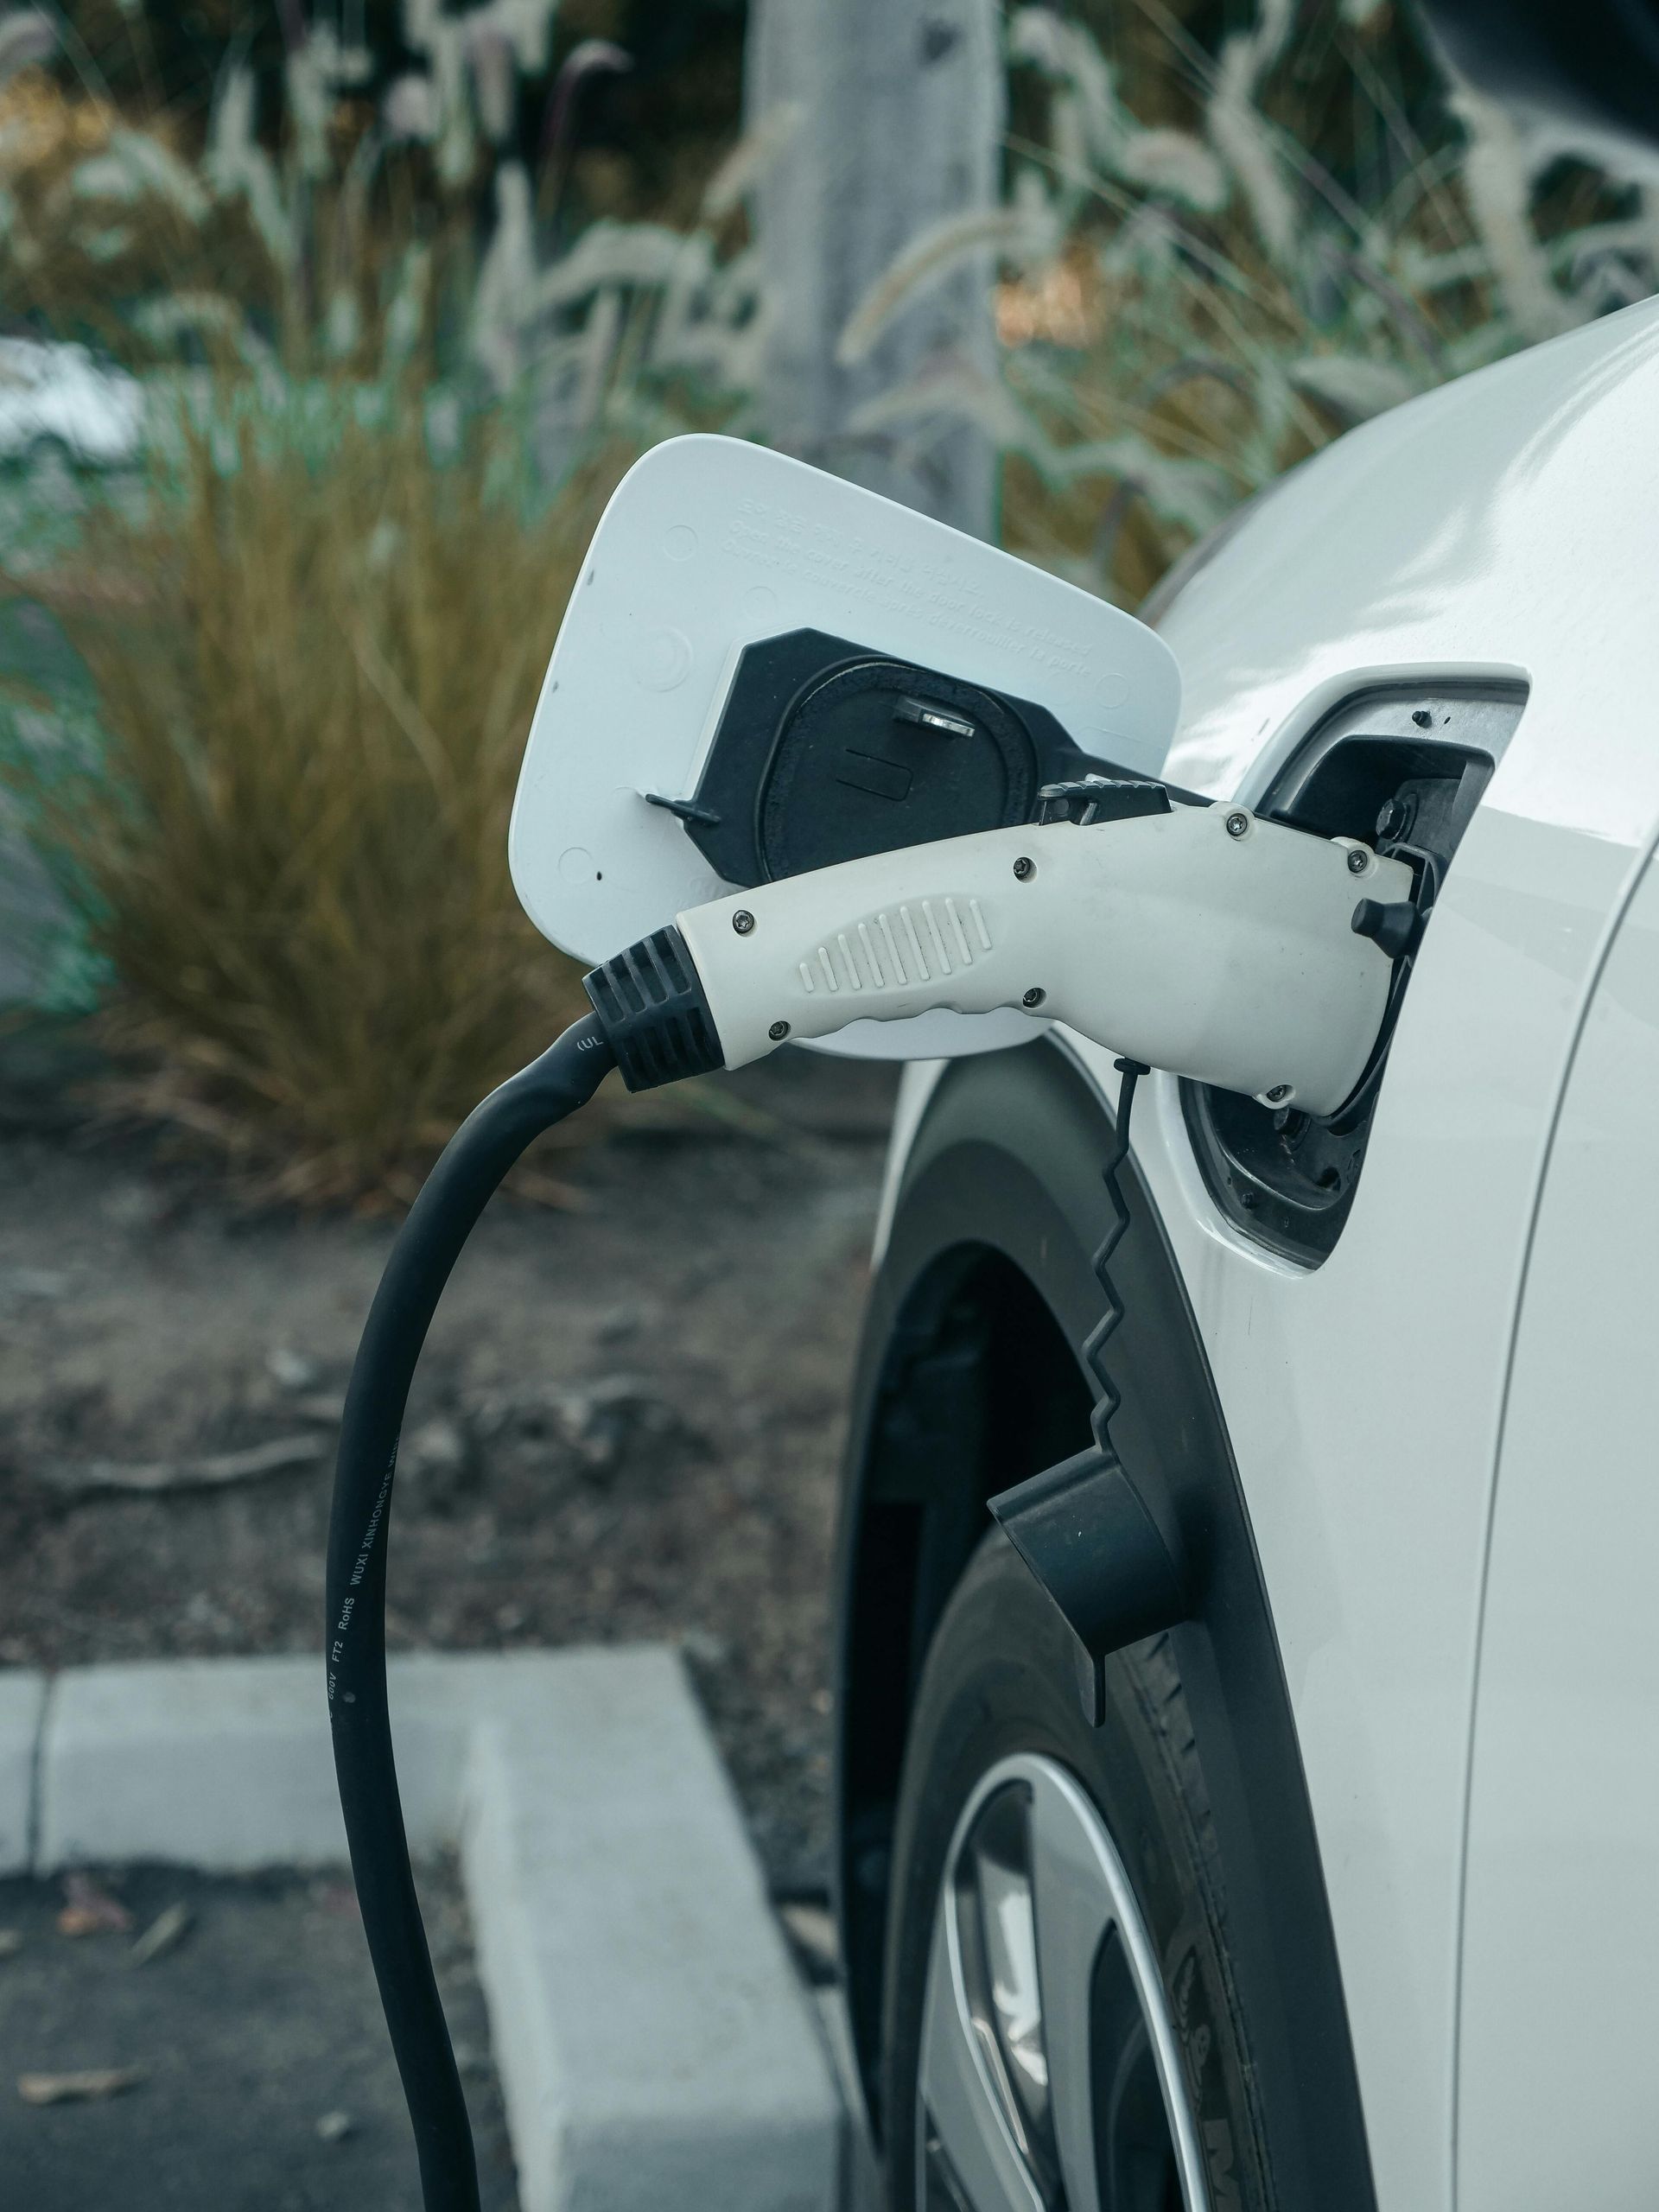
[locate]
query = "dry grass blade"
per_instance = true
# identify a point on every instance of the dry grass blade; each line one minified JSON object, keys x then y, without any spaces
{"x":88,"y":2087}
{"x":1014,"y":233}
{"x":165,"y":1933}
{"x":1350,"y":231}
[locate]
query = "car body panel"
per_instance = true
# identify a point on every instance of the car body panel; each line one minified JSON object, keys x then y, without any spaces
{"x":1562,"y":1936}
{"x":1504,"y":526}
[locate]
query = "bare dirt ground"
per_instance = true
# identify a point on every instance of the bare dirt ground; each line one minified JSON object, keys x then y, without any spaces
{"x":627,"y":1423}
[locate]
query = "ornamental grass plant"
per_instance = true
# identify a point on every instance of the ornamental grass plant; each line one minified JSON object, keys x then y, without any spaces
{"x":277,"y":810}
{"x":298,"y":638}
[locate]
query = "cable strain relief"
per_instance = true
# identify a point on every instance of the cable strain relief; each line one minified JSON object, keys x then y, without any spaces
{"x":649,"y":1003}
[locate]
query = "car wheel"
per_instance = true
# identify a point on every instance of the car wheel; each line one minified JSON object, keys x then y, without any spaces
{"x":1061,"y":2034}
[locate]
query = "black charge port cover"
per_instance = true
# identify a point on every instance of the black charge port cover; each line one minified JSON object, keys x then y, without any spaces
{"x":826,"y":752}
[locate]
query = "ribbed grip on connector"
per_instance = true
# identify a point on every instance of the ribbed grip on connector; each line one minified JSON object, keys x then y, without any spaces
{"x":651,"y":1008}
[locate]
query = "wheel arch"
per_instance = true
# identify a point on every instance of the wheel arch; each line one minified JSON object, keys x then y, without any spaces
{"x":969,"y":1379}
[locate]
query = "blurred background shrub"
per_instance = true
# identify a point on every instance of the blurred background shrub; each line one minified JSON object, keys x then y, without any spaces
{"x":1251,"y":236}
{"x":377,"y":300}
{"x":278,"y":813}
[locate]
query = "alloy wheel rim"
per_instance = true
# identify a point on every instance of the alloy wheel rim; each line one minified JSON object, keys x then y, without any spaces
{"x":1050,"y":2078}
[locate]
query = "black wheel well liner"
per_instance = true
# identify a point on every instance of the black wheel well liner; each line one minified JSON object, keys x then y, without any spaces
{"x":968,"y":1380}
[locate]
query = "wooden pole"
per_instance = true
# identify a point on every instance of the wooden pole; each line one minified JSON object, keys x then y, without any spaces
{"x":890,"y":117}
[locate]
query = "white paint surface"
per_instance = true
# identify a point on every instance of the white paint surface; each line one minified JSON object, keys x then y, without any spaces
{"x":1562,"y":1946}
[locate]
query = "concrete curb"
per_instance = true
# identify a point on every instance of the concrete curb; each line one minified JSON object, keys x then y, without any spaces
{"x":655,"y":2043}
{"x":22,"y":1709}
{"x":631,"y":1955}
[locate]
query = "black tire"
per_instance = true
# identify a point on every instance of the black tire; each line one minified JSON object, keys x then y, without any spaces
{"x":999,"y":1680}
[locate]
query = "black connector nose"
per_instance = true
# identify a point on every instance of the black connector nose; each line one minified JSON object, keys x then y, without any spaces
{"x":649,"y":1002}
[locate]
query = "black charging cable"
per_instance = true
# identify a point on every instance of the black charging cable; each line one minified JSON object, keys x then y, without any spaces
{"x":440,"y":1221}
{"x":651,"y":1021}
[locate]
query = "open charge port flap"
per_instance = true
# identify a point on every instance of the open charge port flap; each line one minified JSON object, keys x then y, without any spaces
{"x":826,"y":751}
{"x":1402,"y":770}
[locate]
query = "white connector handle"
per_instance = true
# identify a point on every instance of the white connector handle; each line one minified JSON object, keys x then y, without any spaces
{"x":1202,"y":941}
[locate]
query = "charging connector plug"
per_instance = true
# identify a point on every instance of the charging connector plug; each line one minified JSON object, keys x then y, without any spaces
{"x":1202,"y":940}
{"x":649,"y":1005}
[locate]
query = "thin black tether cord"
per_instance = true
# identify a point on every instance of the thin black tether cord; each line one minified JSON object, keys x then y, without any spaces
{"x":1094,"y":1350}
{"x":440,"y":1221}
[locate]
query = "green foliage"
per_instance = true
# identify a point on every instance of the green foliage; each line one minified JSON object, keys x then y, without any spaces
{"x":1193,"y":305}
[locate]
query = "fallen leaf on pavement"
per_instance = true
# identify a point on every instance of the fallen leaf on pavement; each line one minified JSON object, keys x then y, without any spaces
{"x":167,"y":1928}
{"x":71,"y":2088}
{"x":335,"y":2126}
{"x":89,"y":1911}
{"x":812,"y":1931}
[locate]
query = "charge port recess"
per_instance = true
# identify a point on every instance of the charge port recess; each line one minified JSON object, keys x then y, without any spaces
{"x":1403,"y":770}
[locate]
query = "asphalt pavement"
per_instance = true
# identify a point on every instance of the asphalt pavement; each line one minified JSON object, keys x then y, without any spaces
{"x":264,"y":2079}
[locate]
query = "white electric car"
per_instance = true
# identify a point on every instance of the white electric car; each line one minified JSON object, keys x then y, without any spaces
{"x":1340,"y":1891}
{"x":1352,"y":1898}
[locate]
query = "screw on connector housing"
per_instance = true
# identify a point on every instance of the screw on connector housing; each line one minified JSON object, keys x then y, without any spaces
{"x":1237,"y":823}
{"x":1024,"y":869}
{"x":1033,"y":997}
{"x":743,"y":921}
{"x":777,"y":1031}
{"x":1358,"y":860}
{"x":1279,"y":1091}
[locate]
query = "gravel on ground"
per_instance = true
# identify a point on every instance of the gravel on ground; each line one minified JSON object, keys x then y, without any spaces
{"x":627,"y":1423}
